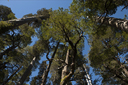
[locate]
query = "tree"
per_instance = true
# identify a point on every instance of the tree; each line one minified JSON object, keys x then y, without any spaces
{"x":107,"y":37}
{"x":63,"y":26}
{"x":37,"y":50}
{"x":45,"y":74}
{"x":42,"y":14}
{"x":6,"y":13}
{"x":37,"y":80}
{"x":99,"y":12}
{"x":12,"y":45}
{"x":106,"y":56}
{"x":107,"y":42}
{"x":12,"y":75}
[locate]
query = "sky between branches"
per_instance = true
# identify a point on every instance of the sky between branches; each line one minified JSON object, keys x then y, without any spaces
{"x":23,"y":7}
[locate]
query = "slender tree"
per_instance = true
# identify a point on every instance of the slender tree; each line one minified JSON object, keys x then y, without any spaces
{"x":45,"y":74}
{"x":12,"y":75}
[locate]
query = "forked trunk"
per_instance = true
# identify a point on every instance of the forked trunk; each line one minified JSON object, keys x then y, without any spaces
{"x":45,"y":74}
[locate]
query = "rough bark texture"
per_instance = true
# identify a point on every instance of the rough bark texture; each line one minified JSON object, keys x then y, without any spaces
{"x":45,"y":74}
{"x":114,"y":22}
{"x":66,"y":78}
{"x":12,"y":75}
{"x":28,"y":70}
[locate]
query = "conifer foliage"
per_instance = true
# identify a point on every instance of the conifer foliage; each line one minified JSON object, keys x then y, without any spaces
{"x":61,"y":34}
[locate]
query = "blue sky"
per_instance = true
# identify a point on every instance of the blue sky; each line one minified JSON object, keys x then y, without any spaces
{"x":22,"y":7}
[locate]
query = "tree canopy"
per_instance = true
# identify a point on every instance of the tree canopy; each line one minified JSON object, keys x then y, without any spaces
{"x":61,"y":35}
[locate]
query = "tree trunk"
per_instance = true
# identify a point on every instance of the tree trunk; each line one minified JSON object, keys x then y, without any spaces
{"x":28,"y":70}
{"x":12,"y":75}
{"x":87,"y":76}
{"x":45,"y":74}
{"x":66,"y":78}
{"x":114,"y":22}
{"x":17,"y":22}
{"x":65,"y":69}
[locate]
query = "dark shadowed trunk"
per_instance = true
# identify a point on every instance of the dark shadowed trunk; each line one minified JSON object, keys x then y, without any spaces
{"x":28,"y":70}
{"x":45,"y":74}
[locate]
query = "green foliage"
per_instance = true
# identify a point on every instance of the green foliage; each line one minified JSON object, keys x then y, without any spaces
{"x":107,"y":44}
{"x":26,"y":33}
{"x":105,"y":53}
{"x":6,"y":13}
{"x":11,"y":16}
{"x":61,"y":25}
{"x":36,"y":24}
{"x":101,"y":7}
{"x":5,"y":25}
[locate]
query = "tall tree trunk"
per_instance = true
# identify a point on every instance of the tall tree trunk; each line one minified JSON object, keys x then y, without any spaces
{"x":88,"y":79}
{"x":114,"y":22}
{"x":28,"y":70}
{"x":45,"y":74}
{"x":66,"y":78}
{"x":17,"y":22}
{"x":65,"y":69}
{"x":12,"y":75}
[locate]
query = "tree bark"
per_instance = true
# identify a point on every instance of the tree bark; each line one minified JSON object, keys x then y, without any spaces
{"x":28,"y":70}
{"x":12,"y":75}
{"x":114,"y":22}
{"x":65,"y":69}
{"x":45,"y":74}
{"x":66,"y":78}
{"x":17,"y":22}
